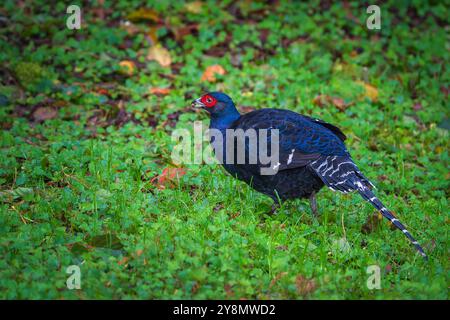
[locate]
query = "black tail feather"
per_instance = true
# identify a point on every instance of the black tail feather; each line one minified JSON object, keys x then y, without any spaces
{"x":340,"y":173}
{"x":370,"y":197}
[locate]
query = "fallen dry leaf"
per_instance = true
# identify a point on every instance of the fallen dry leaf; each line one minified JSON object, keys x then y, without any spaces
{"x":320,"y":100}
{"x":168,"y":176}
{"x":228,"y":290}
{"x":130,"y":28}
{"x":123,"y":261}
{"x":388,"y":268}
{"x":102,"y":91}
{"x":159,"y":91}
{"x":372,"y":223}
{"x":143,"y":14}
{"x":324,"y":100}
{"x":182,"y":31}
{"x":127,"y":67}
{"x":339,"y":103}
{"x":152,"y":34}
{"x":195,"y":287}
{"x":211,"y":71}
{"x":194,"y":7}
{"x":160,"y":54}
{"x":305,"y":286}
{"x":44,"y":113}
{"x":277,"y":277}
{"x":370,"y":91}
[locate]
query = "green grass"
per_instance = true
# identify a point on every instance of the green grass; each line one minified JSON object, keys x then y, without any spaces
{"x":82,"y":142}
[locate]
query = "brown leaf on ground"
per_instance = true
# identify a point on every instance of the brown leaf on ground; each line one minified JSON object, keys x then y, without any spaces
{"x":123,"y":261}
{"x":320,"y":100}
{"x":324,"y":100}
{"x":160,"y":54}
{"x":100,"y":11}
{"x":195,"y":287}
{"x":102,"y":91}
{"x":339,"y":103}
{"x":353,"y":53}
{"x":168,"y":177}
{"x":234,"y":215}
{"x":159,"y":91}
{"x":210,"y":73}
{"x":277,"y":277}
{"x":143,"y":15}
{"x":152,"y":35}
{"x":152,"y":121}
{"x":44,"y":113}
{"x":388,"y":269}
{"x":370,"y":91}
{"x":228,"y":290}
{"x":372,"y":223}
{"x":130,"y":28}
{"x":194,"y":7}
{"x":127,"y":67}
{"x":182,"y":31}
{"x":305,"y":286}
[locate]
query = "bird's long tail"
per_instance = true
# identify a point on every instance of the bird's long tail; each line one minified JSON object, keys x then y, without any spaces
{"x":340,"y":173}
{"x":368,"y":195}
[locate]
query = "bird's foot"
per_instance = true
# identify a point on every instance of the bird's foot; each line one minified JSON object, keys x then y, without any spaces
{"x":313,"y":205}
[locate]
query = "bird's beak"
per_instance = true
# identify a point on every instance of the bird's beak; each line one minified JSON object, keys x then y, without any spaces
{"x":197,"y":104}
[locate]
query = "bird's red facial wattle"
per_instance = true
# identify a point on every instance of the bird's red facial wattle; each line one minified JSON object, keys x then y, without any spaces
{"x":205,"y":101}
{"x":208,"y":101}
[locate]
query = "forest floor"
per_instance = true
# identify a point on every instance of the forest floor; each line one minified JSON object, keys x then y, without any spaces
{"x":87,"y":177}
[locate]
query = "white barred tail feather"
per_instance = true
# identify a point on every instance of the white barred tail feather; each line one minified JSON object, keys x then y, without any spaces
{"x":341,"y":173}
{"x":370,"y":197}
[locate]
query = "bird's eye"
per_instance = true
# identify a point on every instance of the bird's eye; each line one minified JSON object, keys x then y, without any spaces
{"x":208,"y":101}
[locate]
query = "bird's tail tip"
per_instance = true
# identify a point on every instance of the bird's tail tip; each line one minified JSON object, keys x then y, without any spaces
{"x":370,"y":197}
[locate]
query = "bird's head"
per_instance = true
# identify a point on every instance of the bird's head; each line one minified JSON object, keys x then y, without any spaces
{"x":217,"y":104}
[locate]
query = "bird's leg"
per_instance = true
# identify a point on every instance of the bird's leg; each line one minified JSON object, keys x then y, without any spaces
{"x":313,"y":204}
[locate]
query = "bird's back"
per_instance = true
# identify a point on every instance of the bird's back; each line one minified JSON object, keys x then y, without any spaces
{"x":309,"y":137}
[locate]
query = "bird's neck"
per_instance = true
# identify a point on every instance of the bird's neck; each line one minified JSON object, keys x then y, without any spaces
{"x":224,"y":121}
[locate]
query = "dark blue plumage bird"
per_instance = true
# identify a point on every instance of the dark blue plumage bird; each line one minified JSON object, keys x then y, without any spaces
{"x":311,"y":154}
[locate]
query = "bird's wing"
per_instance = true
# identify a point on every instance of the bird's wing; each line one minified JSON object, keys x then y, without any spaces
{"x":301,"y":139}
{"x":338,"y":132}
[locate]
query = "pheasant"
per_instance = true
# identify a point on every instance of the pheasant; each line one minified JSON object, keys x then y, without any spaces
{"x":311,"y":154}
